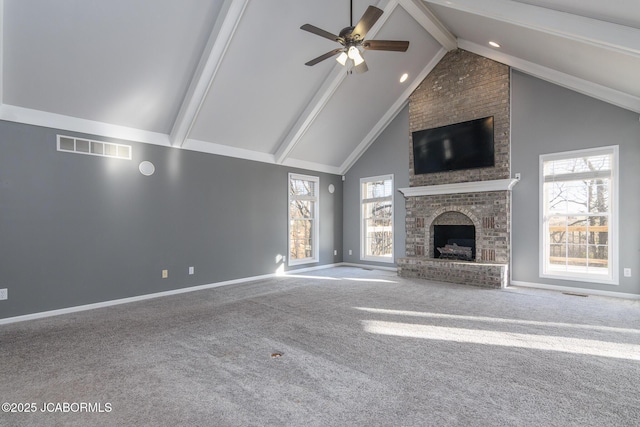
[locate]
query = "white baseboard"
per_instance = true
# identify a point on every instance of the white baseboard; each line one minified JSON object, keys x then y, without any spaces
{"x":368,"y":266}
{"x":306,"y":269}
{"x":69,"y":310}
{"x":572,"y":289}
{"x":103,"y":304}
{"x":93,"y":306}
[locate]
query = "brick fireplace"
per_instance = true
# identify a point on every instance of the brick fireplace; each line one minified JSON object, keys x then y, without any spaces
{"x":462,"y":87}
{"x":478,"y":205}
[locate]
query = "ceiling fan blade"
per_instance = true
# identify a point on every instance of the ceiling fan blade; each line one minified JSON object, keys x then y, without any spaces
{"x":393,"y":45}
{"x":370,"y":17}
{"x":322,"y":33}
{"x":361,"y":68}
{"x":323,"y":57}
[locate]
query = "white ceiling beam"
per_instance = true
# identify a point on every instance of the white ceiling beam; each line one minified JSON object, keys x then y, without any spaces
{"x":256,"y":156}
{"x":227,"y":151}
{"x":603,"y":34}
{"x":391,"y":113}
{"x":205,"y":73}
{"x":29,"y":116}
{"x":323,"y":95}
{"x":313,"y":166}
{"x":430,"y":22}
{"x":313,"y":108}
{"x":594,"y":90}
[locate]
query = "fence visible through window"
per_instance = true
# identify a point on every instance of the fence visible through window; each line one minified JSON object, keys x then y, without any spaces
{"x":578,"y":213}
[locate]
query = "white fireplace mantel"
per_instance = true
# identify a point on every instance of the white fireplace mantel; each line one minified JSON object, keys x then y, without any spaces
{"x":460,"y":187}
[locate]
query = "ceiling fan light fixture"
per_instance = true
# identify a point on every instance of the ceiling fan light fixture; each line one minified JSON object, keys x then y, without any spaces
{"x":342,"y":58}
{"x":361,"y":68}
{"x":354,"y":54}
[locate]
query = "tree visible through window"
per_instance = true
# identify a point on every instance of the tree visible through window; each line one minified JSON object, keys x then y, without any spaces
{"x":303,"y":219}
{"x":376,"y":207}
{"x":578,"y":214}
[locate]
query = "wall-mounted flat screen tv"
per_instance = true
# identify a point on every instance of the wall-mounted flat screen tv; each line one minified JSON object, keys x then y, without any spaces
{"x":466,"y":145}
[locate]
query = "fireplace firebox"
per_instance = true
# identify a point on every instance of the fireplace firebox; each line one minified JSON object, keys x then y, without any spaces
{"x":451,"y":236}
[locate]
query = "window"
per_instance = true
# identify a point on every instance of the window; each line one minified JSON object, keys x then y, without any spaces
{"x":303,"y":219}
{"x":579,"y":215}
{"x":376,"y":214}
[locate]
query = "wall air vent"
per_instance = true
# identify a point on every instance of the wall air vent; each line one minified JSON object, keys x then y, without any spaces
{"x":71,"y":144}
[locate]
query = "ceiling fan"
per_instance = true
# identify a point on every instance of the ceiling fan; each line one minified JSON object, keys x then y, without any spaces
{"x":353,"y":41}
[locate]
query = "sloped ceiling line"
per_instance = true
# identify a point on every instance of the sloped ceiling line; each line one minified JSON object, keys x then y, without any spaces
{"x":203,"y":77}
{"x":588,"y":88}
{"x":418,"y":10}
{"x":587,"y":30}
{"x":390,"y":114}
{"x":421,"y":13}
{"x":320,"y":99}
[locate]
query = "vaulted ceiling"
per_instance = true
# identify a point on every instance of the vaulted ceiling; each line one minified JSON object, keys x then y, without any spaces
{"x":228,"y":76}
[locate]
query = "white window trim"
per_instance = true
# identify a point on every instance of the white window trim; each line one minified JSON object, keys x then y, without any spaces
{"x":363,"y":256}
{"x":316,"y":220}
{"x":613,"y":279}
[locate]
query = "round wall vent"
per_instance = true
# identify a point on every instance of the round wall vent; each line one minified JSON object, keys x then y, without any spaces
{"x":147,"y":168}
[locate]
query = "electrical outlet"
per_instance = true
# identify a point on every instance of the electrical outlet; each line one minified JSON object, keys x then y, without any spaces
{"x":518,"y":176}
{"x":165,"y":274}
{"x":350,"y":252}
{"x":191,"y":270}
{"x":335,"y":252}
{"x":4,"y":294}
{"x":627,"y":272}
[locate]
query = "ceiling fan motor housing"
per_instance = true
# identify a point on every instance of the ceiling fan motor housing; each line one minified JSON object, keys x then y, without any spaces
{"x":346,"y":34}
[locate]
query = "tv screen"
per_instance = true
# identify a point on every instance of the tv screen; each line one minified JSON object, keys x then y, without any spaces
{"x":466,"y":145}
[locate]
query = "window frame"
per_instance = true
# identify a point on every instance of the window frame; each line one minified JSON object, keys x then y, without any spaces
{"x":613,"y":242}
{"x":315,"y":230}
{"x":363,"y":235}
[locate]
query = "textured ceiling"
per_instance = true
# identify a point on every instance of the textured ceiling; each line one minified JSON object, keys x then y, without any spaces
{"x":228,"y":76}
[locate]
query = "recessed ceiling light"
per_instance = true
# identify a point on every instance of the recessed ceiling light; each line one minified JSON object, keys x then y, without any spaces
{"x":404,"y":77}
{"x":494,"y":44}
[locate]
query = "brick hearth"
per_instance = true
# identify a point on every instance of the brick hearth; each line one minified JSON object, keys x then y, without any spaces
{"x":486,"y":275}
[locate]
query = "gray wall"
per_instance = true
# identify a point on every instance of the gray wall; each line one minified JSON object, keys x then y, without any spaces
{"x":78,"y":229}
{"x":548,"y":119}
{"x":389,"y":154}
